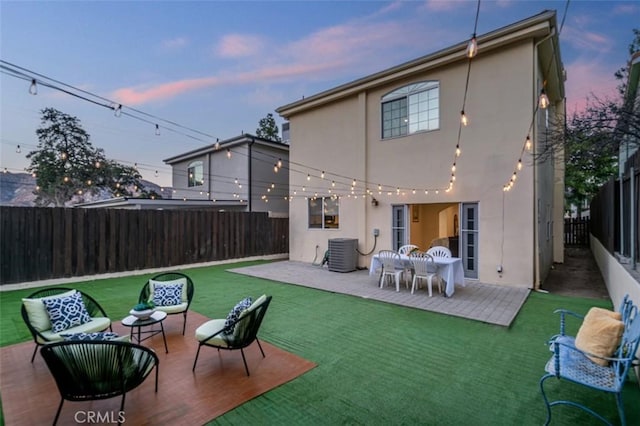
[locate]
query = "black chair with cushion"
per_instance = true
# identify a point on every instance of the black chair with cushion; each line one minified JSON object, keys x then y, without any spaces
{"x":92,"y":370}
{"x":83,"y":315}
{"x":237,"y":331}
{"x":171,"y":292}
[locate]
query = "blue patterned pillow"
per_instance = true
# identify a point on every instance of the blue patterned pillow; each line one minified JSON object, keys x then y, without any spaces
{"x":102,"y":335}
{"x":66,"y":312}
{"x":167,"y":294}
{"x":235,"y":314}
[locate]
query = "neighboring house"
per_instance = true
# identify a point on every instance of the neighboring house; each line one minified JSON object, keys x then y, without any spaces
{"x":235,"y":174}
{"x":376,"y":155}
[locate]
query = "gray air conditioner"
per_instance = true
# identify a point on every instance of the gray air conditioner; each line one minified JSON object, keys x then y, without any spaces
{"x":343,"y":255}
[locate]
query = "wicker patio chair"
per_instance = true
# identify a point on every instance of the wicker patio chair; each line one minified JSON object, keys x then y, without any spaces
{"x":36,"y":318}
{"x":168,"y":278}
{"x":238,"y":334}
{"x":92,"y":370}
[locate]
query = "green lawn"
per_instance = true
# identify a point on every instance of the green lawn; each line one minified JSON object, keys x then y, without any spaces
{"x":378,"y":364}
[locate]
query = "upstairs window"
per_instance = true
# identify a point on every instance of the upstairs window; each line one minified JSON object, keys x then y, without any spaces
{"x":324,"y":213}
{"x":410,"y":109}
{"x":195,"y":174}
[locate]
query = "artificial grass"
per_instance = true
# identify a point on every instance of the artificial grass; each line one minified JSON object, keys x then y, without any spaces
{"x":379,"y":363}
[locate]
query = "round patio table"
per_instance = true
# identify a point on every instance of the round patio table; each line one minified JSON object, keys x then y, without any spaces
{"x":134,"y":322}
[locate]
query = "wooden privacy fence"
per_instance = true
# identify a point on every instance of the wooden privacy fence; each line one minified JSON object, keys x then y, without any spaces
{"x":44,"y":243}
{"x":576,"y":232}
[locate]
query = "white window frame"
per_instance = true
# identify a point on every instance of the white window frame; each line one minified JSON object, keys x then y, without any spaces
{"x":192,"y":174}
{"x":410,"y":109}
{"x":324,"y":218}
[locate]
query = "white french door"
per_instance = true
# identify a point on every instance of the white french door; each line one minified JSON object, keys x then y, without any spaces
{"x":469,"y":239}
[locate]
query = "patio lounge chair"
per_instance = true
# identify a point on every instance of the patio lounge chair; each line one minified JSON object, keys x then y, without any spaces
{"x":38,"y":321}
{"x":234,"y":334}
{"x":159,"y":289}
{"x":92,"y":370}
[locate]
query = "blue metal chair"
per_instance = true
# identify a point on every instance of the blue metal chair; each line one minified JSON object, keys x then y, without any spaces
{"x":571,"y":364}
{"x":627,"y":310}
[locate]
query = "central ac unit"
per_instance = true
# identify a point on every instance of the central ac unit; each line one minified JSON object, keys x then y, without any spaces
{"x":343,"y":255}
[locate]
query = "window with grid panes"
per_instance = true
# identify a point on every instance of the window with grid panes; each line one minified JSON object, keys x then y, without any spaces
{"x":410,"y":109}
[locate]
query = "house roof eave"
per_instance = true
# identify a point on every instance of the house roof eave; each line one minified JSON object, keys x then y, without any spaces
{"x":535,"y":27}
{"x":245,"y":138}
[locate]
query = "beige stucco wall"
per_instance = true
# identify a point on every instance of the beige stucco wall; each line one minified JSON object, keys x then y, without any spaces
{"x":344,"y":137}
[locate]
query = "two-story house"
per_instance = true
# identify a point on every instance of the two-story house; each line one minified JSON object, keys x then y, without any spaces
{"x":385,"y":159}
{"x":244,"y":173}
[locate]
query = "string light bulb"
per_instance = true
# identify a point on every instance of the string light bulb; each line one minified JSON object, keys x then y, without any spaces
{"x":228,"y":153}
{"x":279,"y":162}
{"x":117,"y":110}
{"x":543,"y":100}
{"x":97,"y":164}
{"x":472,"y":47}
{"x":520,"y":164}
{"x":458,"y":150}
{"x":155,"y":174}
{"x":33,"y":88}
{"x":527,"y":144}
{"x":18,"y":149}
{"x":322,"y":174}
{"x":308,"y":176}
{"x":463,"y":118}
{"x":157,"y":130}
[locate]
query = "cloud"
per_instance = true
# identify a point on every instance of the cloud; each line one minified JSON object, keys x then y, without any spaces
{"x":587,"y":41}
{"x":239,"y":45}
{"x":588,"y":79}
{"x":132,"y":96}
{"x":626,"y":9}
{"x":358,"y":46}
{"x":442,"y":5}
{"x":175,"y":43}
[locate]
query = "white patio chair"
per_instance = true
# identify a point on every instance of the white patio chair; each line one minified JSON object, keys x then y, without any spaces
{"x":424,"y":268}
{"x":407,"y":249}
{"x":439,"y":251}
{"x":392,"y":266}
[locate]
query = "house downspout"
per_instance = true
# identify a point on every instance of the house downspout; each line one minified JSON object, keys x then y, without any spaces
{"x":209,"y":183}
{"x":536,"y":206}
{"x":250,"y":189}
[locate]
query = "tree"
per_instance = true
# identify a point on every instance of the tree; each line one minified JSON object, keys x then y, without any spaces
{"x":268,"y":129}
{"x":592,"y":138}
{"x":68,"y":168}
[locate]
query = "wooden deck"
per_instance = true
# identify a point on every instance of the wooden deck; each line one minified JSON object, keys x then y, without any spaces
{"x":219,"y":384}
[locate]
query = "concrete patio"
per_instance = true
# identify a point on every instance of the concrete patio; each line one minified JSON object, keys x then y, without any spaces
{"x":488,"y":303}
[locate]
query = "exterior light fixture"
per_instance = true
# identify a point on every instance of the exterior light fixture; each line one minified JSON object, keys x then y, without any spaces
{"x":543,"y":100}
{"x":33,"y":88}
{"x":472,"y":47}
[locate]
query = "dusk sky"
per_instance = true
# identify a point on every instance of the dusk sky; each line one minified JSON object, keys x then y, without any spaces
{"x":218,"y":67}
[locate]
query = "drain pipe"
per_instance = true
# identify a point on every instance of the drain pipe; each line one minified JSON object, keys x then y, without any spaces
{"x":536,"y":207}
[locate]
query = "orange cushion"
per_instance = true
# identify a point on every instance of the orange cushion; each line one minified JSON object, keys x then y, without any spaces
{"x":600,"y":334}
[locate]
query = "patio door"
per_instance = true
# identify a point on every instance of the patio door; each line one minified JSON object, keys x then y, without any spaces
{"x":398,"y":226}
{"x":469,"y":239}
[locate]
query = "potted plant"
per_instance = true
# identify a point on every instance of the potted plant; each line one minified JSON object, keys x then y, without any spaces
{"x":143,"y":310}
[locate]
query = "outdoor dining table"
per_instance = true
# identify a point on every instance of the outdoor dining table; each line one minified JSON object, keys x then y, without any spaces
{"x":449,"y":269}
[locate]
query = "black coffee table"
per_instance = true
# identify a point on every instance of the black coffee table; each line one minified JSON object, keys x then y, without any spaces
{"x":134,"y":322}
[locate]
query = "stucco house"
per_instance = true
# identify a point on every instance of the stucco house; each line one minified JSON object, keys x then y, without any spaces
{"x":387,"y":154}
{"x":243,"y":173}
